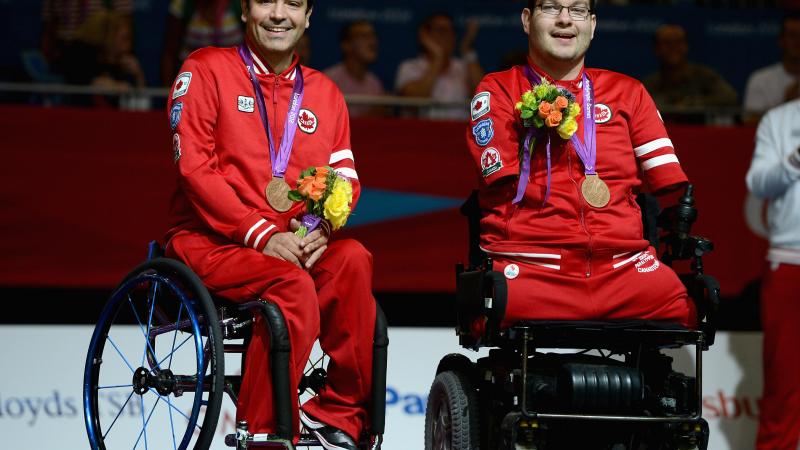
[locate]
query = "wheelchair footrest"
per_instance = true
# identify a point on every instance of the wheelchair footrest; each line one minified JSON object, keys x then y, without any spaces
{"x":268,"y":441}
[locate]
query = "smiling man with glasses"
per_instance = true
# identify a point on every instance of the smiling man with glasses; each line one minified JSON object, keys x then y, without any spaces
{"x":562,"y":151}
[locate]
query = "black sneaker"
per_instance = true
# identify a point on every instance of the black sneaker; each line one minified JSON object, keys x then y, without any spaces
{"x":331,"y":438}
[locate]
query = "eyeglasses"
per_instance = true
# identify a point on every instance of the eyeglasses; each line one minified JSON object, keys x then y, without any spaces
{"x":576,"y":12}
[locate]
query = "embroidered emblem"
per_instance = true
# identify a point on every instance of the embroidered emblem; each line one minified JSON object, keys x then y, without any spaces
{"x":246,"y":104}
{"x":483,"y":132}
{"x":511,"y":271}
{"x":176,"y":147}
{"x":480,"y":105}
{"x":647,"y":259}
{"x":175,"y":115}
{"x":602,"y":113}
{"x":307,"y":121}
{"x":181,"y":85}
{"x":490,"y":161}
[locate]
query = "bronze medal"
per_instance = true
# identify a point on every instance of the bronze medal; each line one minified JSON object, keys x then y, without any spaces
{"x":278,"y":194}
{"x":595,"y":191}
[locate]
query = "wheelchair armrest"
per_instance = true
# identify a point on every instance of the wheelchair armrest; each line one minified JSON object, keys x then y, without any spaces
{"x":704,"y":290}
{"x":481,"y":297}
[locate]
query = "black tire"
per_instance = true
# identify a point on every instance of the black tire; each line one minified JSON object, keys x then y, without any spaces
{"x":181,"y":379}
{"x":451,"y":417}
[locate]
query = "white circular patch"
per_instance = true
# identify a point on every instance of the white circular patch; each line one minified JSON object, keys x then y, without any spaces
{"x":602,"y":113}
{"x":307,"y":121}
{"x":511,"y":271}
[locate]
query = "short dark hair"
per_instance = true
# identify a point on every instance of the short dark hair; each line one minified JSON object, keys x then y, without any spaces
{"x":592,"y":4}
{"x":309,"y":4}
{"x":428,"y":20}
{"x":344,"y":32}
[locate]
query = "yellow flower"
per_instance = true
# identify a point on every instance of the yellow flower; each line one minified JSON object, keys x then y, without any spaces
{"x":528,"y":99}
{"x":337,"y":205}
{"x":541,"y":90}
{"x":574,"y":110}
{"x":567,"y":128}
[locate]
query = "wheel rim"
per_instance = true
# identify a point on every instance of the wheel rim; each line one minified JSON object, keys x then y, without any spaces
{"x":169,"y":394}
{"x":442,"y":426}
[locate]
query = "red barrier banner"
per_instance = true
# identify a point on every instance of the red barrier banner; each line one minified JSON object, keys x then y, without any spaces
{"x":83,"y":191}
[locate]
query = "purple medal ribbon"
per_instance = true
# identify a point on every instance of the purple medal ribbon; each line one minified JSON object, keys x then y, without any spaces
{"x":280,"y":159}
{"x":587,"y":153}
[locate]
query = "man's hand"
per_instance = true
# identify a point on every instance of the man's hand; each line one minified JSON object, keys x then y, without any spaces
{"x":467,"y":42}
{"x":313,"y":245}
{"x":432,"y":48}
{"x":285,"y":246}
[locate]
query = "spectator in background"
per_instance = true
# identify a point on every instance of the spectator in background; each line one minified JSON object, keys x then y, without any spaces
{"x":772,"y":85}
{"x":62,"y":18}
{"x":194,"y":24}
{"x":680,"y":83}
{"x":359,"y":45}
{"x":101,"y":55}
{"x":774,"y":175}
{"x":437,"y":73}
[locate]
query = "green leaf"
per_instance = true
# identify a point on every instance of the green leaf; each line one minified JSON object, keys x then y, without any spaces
{"x":295,"y":196}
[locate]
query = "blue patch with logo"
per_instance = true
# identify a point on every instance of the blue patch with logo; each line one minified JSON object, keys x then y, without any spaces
{"x":175,"y":115}
{"x":483,"y":132}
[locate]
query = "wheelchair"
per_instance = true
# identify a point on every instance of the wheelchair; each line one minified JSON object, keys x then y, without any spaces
{"x":167,"y":371}
{"x":625,"y":396}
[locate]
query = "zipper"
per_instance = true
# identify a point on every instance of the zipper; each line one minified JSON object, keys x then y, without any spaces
{"x":582,"y":215}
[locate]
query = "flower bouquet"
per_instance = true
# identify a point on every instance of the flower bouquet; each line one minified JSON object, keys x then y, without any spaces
{"x":547,"y":106}
{"x":328,"y":197}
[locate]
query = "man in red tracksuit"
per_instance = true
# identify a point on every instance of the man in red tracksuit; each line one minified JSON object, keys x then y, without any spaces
{"x":246,"y":121}
{"x":569,"y":254}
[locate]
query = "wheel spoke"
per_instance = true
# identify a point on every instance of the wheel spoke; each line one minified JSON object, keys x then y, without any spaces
{"x":175,"y":335}
{"x":152,"y":301}
{"x":141,"y":327}
{"x":172,"y":425}
{"x":145,"y":422}
{"x":173,"y":351}
{"x":120,"y":353}
{"x":118,"y":386}
{"x":118,"y":414}
{"x":179,"y":411}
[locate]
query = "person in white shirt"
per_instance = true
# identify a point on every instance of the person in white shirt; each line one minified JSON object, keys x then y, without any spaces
{"x":774,"y":175}
{"x":772,"y":85}
{"x":436,"y":73}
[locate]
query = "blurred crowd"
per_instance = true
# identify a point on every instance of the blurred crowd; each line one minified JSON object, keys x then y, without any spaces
{"x":90,"y":42}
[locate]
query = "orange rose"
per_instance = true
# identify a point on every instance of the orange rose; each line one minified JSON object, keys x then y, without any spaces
{"x":317,"y":190}
{"x":561,"y":102}
{"x":544,"y":109}
{"x":322,"y":173}
{"x":553,"y":119}
{"x":304,"y":186}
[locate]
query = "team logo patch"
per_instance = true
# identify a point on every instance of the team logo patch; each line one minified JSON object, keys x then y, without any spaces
{"x":175,"y":115}
{"x":483,"y":132}
{"x":602,"y":113}
{"x":490,"y":161}
{"x":176,"y":147}
{"x":646,"y":262}
{"x":246,"y":104}
{"x":511,"y":271}
{"x":181,"y":85}
{"x":480,"y":105}
{"x":307,"y":121}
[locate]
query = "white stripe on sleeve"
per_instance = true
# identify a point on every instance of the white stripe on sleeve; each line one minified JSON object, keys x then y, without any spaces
{"x":347,"y":172}
{"x":341,"y":155}
{"x":659,"y":161}
{"x":652,"y":146}
{"x":258,"y":239}
{"x":252,"y":229}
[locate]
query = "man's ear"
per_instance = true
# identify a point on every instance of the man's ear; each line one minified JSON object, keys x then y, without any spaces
{"x":526,"y":20}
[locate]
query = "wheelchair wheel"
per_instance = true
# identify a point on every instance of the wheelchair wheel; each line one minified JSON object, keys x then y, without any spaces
{"x":451,"y":417}
{"x":155,"y":367}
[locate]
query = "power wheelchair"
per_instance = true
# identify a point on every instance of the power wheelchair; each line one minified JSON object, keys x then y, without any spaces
{"x":625,"y":397}
{"x":174,"y":387}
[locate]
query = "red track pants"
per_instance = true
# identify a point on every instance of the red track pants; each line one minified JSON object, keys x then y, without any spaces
{"x":779,"y":423}
{"x":332,"y":301}
{"x":568,"y":285}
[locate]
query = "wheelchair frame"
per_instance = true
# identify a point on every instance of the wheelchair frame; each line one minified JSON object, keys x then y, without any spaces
{"x":481,"y":300}
{"x":218,"y":320}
